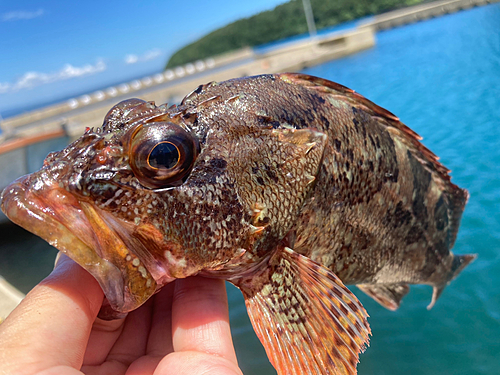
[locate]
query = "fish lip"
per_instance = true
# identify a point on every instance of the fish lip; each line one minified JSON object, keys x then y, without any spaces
{"x":25,"y":207}
{"x":56,"y":216}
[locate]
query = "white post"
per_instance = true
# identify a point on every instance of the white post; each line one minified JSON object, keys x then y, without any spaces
{"x":309,"y":18}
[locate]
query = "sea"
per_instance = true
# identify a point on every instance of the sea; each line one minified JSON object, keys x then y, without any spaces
{"x":441,"y":77}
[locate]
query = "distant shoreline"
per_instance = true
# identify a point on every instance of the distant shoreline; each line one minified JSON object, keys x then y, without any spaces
{"x":284,"y":21}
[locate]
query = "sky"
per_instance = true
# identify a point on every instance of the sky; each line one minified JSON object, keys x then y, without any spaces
{"x":51,"y":50}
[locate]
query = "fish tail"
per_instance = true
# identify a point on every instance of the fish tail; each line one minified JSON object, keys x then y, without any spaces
{"x":458,"y":263}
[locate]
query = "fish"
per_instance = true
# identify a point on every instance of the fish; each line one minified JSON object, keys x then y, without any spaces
{"x":289,"y":186}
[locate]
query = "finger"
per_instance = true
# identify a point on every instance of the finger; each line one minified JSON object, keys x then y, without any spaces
{"x":160,"y":337}
{"x":52,"y":324}
{"x":133,"y":339}
{"x":147,"y":330}
{"x":200,"y":318}
{"x":160,"y":334}
{"x":194,"y":362}
{"x":115,"y":344}
{"x":103,"y":336}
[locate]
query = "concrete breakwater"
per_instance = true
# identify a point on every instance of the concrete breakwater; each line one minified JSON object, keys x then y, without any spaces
{"x":9,"y":298}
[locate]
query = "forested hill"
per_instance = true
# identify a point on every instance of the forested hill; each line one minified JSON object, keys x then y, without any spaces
{"x":285,"y":20}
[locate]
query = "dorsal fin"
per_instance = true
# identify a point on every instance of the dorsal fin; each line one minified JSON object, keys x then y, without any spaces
{"x":345,"y":94}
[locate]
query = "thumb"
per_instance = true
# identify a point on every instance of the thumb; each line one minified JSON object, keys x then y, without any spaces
{"x":51,"y":326}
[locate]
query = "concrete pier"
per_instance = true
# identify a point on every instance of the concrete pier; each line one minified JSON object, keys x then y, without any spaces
{"x":9,"y":298}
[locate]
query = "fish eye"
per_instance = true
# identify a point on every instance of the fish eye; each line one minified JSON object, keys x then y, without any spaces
{"x":162,"y":154}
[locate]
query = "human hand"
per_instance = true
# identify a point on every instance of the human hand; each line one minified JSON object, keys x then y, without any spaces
{"x":183,"y":329}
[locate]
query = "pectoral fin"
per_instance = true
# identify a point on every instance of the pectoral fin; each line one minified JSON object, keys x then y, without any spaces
{"x":389,"y":295}
{"x":307,"y":320}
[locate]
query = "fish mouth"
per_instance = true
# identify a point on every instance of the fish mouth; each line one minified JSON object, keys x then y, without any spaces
{"x":79,"y":230}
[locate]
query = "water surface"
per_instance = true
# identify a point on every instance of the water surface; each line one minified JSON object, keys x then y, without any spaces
{"x":442,"y":78}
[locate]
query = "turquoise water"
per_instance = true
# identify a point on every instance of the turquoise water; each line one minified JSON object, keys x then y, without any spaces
{"x":442,"y":78}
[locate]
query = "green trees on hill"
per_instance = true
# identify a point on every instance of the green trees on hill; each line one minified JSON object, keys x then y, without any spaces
{"x":283,"y":21}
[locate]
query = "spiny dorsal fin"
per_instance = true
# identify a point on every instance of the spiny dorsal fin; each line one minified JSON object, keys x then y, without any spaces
{"x":307,"y":320}
{"x":383,"y":116}
{"x":389,"y":296}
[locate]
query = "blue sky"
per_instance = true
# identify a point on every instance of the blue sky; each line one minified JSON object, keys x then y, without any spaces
{"x":55,"y":49}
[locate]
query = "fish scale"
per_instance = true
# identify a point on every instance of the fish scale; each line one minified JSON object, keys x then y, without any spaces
{"x":289,"y":186}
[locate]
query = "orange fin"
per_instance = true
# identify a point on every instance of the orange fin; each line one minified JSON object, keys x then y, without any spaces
{"x":307,"y":320}
{"x":389,"y":296}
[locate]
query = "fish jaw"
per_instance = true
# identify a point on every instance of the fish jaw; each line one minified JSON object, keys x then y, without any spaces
{"x":76,"y":229}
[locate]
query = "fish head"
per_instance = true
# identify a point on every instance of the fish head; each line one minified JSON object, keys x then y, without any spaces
{"x":85,"y":201}
{"x":160,"y":193}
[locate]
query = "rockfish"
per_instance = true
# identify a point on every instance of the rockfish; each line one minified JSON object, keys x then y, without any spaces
{"x":288,"y":186}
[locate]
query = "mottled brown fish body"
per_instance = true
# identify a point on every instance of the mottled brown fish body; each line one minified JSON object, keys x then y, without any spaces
{"x":382,"y":210}
{"x":286,"y":185}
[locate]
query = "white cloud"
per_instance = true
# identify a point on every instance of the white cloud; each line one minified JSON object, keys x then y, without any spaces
{"x":21,"y":15}
{"x":4,"y":87}
{"x":153,"y":54}
{"x":69,"y":71}
{"x":32,"y":79}
{"x":149,"y":55}
{"x":131,"y":59}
